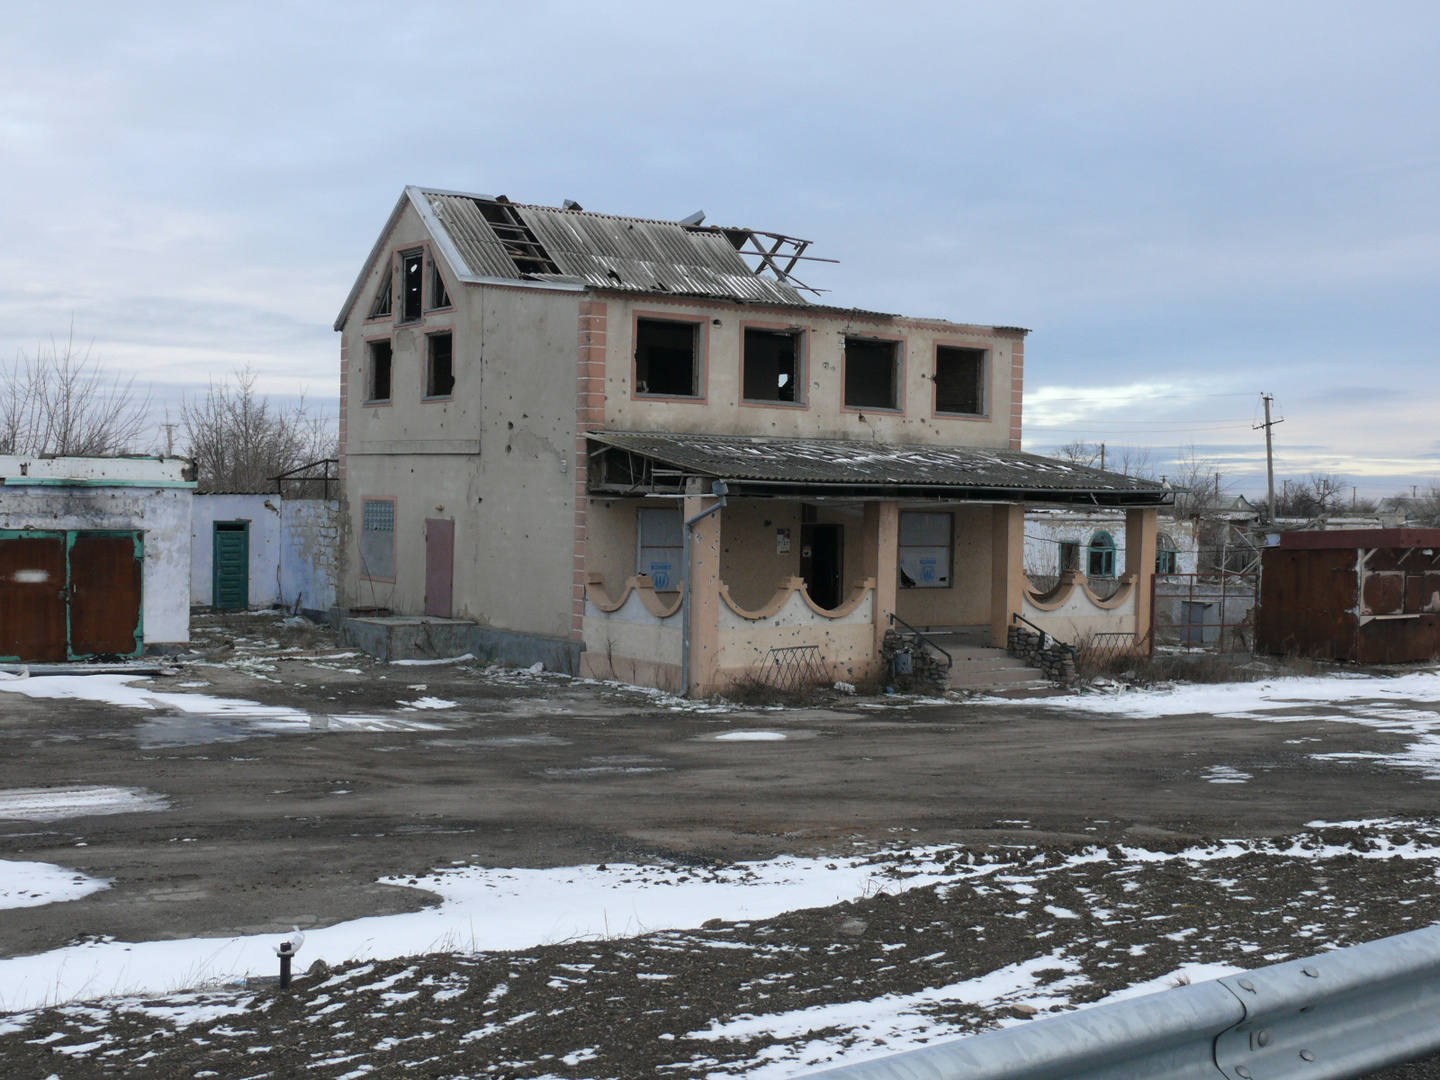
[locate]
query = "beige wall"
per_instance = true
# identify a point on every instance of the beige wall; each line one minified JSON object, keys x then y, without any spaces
{"x":721,"y":411}
{"x":967,"y":601}
{"x":497,"y":458}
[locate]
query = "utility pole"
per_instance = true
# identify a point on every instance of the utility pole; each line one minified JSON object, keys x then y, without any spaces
{"x":1102,"y":457}
{"x":1269,"y":458}
{"x":169,"y":438}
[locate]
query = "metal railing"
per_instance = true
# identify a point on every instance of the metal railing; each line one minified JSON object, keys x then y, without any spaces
{"x":1340,"y":1014}
{"x":1044,"y":634}
{"x":920,"y":637}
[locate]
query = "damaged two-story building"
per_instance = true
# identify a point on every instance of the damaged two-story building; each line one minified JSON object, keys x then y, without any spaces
{"x":635,"y":449}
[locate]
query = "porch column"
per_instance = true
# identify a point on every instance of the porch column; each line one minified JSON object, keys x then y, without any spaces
{"x":880,"y":559}
{"x":1140,"y":560}
{"x":703,"y":603}
{"x":1007,"y":568}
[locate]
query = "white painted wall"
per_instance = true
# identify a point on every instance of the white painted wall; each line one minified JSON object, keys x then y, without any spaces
{"x":1046,"y":529}
{"x":263,"y":514}
{"x":309,"y":552}
{"x":162,"y":514}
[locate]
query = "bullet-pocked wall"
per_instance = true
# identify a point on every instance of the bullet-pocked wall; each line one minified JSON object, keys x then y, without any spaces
{"x":493,"y":454}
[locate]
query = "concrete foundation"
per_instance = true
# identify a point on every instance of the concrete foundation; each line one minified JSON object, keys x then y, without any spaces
{"x":423,"y":637}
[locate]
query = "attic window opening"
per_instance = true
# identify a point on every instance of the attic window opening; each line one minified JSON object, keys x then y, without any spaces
{"x":516,"y":237}
{"x":439,"y":295}
{"x":872,"y":374}
{"x":439,"y":365}
{"x":666,"y":356}
{"x":412,"y":267}
{"x":772,"y":366}
{"x":377,"y":378}
{"x":960,"y":381}
{"x":381,"y":306}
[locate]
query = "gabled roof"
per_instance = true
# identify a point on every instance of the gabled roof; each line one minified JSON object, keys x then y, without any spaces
{"x":490,"y":240}
{"x":766,"y":465}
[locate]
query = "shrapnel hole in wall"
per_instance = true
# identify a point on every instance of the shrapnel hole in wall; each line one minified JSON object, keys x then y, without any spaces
{"x":665,"y":358}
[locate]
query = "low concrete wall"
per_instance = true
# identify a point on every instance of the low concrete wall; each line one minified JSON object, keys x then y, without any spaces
{"x":420,"y":637}
{"x":309,"y":553}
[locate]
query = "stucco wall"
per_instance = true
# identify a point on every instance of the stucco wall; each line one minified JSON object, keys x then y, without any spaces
{"x":309,"y":552}
{"x":265,"y":544}
{"x":496,"y":459}
{"x":162,"y":514}
{"x":720,"y":409}
{"x":967,"y":601}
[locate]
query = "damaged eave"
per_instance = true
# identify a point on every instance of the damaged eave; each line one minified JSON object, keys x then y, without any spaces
{"x":636,"y":463}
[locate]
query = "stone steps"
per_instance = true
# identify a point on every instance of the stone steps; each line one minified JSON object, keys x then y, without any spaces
{"x":979,"y":668}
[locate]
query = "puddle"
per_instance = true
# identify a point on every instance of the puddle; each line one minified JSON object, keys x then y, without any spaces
{"x":54,"y":804}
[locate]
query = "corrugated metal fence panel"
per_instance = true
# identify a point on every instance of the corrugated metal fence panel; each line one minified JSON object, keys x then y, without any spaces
{"x":1341,"y":1014}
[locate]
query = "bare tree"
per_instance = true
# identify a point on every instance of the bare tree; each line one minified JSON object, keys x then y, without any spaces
{"x":1133,"y":461}
{"x":1079,"y":453}
{"x":1198,"y":491}
{"x":60,"y":401}
{"x":1320,"y":495}
{"x":239,"y":442}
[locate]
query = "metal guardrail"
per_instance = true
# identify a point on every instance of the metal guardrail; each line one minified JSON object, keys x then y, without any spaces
{"x":1340,"y":1014}
{"x":921,"y":638}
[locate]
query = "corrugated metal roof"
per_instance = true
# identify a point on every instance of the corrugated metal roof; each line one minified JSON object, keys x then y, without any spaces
{"x":866,"y":464}
{"x":609,"y":252}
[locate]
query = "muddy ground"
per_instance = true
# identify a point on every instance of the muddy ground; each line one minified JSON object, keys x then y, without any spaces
{"x":265,"y":831}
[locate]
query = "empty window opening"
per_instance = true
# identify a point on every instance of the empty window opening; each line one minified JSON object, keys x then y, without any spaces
{"x":871,"y":374}
{"x":1102,"y":556}
{"x":381,"y":306}
{"x":1167,"y":555}
{"x":660,"y":547}
{"x":665,"y":358}
{"x":772,"y":365}
{"x":960,"y":381}
{"x":412,"y":268}
{"x":439,"y":295}
{"x":519,"y":242}
{"x":439,"y":365}
{"x":926,"y":543}
{"x":377,"y":379}
{"x":1069,"y":555}
{"x":377,"y":539}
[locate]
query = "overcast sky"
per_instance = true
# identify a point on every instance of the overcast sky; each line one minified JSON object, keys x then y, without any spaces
{"x":1187,"y":204}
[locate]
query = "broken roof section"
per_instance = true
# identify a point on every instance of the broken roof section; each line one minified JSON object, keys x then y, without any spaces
{"x":491,"y":240}
{"x":640,"y":462}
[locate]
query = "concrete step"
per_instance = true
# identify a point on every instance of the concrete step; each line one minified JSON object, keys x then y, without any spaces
{"x":964,"y":680}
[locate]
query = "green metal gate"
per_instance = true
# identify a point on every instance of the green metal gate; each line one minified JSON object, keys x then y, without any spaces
{"x":230,"y":573}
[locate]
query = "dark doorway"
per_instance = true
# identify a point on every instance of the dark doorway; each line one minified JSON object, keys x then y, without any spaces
{"x":33,"y":592}
{"x":105,"y":591}
{"x":439,"y":566}
{"x":822,"y":561}
{"x":230,"y":566}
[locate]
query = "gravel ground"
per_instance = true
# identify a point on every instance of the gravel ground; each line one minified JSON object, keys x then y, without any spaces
{"x":1064,"y":926}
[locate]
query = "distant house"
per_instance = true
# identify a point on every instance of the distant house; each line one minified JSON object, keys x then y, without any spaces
{"x":94,"y":557}
{"x":634,"y":448}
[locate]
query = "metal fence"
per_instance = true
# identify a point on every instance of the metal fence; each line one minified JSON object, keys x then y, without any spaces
{"x":1341,"y":1014}
{"x":1214,"y":612}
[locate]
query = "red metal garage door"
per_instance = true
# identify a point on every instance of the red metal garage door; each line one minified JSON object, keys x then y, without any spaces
{"x":105,"y":576}
{"x":32,"y":597}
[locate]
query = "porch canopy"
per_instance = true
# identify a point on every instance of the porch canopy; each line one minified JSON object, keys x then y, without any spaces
{"x":636,"y":463}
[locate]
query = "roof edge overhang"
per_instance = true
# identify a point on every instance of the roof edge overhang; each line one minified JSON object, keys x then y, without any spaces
{"x":1095,"y":498}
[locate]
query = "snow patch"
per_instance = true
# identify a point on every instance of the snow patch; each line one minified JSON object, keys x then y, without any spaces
{"x":55,"y":804}
{"x":31,"y":884}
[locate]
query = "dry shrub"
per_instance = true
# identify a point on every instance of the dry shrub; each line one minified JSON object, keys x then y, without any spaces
{"x":1198,"y":666}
